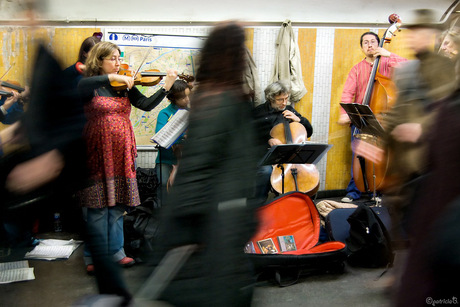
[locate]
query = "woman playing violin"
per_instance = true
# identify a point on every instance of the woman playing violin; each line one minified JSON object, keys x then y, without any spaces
{"x":111,"y":148}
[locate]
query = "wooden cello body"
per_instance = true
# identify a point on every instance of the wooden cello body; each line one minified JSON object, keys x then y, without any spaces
{"x":297,"y":177}
{"x":380,"y":96}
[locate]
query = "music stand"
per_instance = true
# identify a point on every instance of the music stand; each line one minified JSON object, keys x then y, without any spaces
{"x":304,"y":153}
{"x":363,"y":119}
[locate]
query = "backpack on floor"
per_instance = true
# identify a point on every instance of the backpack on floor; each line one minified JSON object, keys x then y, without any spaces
{"x":140,"y":229}
{"x":286,"y":243}
{"x":369,"y":243}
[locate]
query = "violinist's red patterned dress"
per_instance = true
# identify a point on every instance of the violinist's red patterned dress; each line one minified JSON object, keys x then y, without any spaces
{"x":111,"y":154}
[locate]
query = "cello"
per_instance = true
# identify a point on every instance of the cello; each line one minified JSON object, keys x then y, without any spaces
{"x":380,"y":95}
{"x":293,"y":177}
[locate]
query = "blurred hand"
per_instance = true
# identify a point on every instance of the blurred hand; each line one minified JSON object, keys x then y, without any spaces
{"x":11,"y":100}
{"x":36,"y":172}
{"x":344,"y":119}
{"x":7,"y":135}
{"x":409,"y":132}
{"x":171,"y":76}
{"x":368,"y":151}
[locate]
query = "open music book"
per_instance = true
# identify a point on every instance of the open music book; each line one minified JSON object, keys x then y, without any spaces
{"x":172,"y":130}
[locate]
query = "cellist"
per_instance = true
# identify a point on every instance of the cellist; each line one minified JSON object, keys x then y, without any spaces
{"x":356,"y":84}
{"x":267,"y":116}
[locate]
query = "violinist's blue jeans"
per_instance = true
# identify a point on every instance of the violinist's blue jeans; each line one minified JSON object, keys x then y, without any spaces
{"x":105,"y":228}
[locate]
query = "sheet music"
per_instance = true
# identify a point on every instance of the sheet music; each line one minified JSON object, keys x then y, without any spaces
{"x":53,"y":249}
{"x":15,"y":271}
{"x":363,"y":119}
{"x":306,"y":152}
{"x":172,"y":130}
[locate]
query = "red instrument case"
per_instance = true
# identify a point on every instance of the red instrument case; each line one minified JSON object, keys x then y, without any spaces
{"x":286,"y":241}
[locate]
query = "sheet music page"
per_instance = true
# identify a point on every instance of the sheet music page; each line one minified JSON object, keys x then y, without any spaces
{"x":49,"y":252}
{"x":172,"y":130}
{"x":14,"y":265}
{"x":53,"y":249}
{"x":15,"y":271}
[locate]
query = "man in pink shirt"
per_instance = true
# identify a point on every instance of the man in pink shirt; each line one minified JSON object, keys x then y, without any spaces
{"x":356,"y":84}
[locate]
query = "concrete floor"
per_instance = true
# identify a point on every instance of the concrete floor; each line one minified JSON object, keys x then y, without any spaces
{"x":63,"y":282}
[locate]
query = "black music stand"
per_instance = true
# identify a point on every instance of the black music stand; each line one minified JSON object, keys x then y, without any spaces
{"x":304,"y":153}
{"x":363,"y":119}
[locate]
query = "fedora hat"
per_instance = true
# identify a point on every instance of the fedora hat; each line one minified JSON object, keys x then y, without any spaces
{"x":424,"y":18}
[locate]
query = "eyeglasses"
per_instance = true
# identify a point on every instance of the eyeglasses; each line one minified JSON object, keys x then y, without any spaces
{"x":113,"y":59}
{"x":279,"y":100}
{"x":372,"y":42}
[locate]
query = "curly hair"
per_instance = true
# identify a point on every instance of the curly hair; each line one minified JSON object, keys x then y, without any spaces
{"x":96,"y":56}
{"x":277,"y":88}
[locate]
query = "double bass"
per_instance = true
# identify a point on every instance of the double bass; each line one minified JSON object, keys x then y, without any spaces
{"x":293,"y":177}
{"x":380,"y":96}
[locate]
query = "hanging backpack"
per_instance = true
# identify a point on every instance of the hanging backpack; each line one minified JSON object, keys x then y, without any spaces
{"x":369,"y":243}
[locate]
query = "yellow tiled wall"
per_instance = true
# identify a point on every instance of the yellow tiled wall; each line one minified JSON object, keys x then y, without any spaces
{"x":18,"y":51}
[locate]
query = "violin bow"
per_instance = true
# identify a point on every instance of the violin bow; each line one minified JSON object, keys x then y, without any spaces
{"x":142,"y":62}
{"x":6,"y":71}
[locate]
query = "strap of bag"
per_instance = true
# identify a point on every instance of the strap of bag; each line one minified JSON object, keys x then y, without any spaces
{"x":294,"y":277}
{"x":165,"y":272}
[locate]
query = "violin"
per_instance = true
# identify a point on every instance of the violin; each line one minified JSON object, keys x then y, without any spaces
{"x":7,"y":87}
{"x":186,"y":78}
{"x":149,"y":77}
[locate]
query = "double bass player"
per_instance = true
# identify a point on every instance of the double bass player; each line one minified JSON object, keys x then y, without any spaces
{"x":355,"y":87}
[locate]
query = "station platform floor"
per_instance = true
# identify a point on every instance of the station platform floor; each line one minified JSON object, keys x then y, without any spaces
{"x":63,"y":282}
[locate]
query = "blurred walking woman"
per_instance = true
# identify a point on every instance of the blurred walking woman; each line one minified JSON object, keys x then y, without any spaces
{"x":111,"y":149}
{"x":207,"y":204}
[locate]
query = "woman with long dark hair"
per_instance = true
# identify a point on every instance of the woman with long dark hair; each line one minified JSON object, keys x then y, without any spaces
{"x":207,"y":204}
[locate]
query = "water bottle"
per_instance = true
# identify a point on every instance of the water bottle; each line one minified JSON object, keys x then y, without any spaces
{"x":57,"y":222}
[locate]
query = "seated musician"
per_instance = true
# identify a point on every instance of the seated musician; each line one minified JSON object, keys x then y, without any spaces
{"x":166,"y":159}
{"x":268,"y":115}
{"x":12,"y":107}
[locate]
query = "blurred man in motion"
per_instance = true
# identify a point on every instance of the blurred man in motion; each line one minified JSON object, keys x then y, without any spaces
{"x":48,"y":163}
{"x":425,"y":86}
